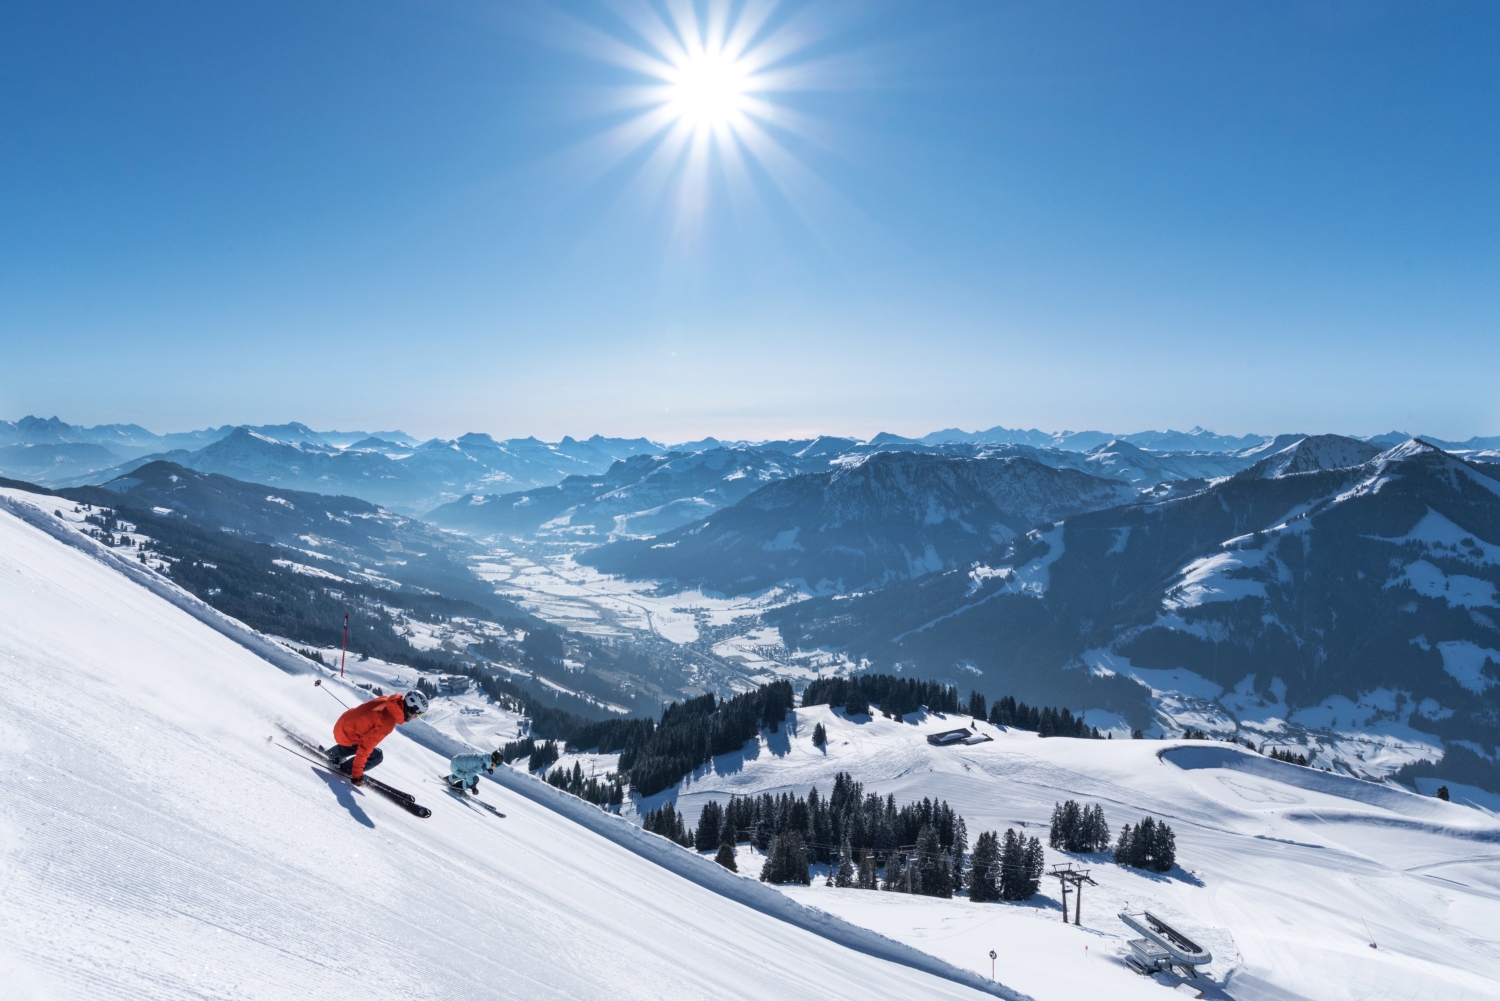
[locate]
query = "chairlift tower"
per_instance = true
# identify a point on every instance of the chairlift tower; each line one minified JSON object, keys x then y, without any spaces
{"x":1068,"y":876}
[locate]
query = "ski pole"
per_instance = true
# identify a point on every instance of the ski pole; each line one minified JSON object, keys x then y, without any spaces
{"x":318,"y":683}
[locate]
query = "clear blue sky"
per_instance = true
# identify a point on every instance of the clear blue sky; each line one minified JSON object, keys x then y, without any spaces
{"x":1251,"y":216}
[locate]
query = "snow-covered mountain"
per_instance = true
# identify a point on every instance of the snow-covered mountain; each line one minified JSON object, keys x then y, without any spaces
{"x":1313,"y":454}
{"x":647,"y":496}
{"x":887,"y":516}
{"x":129,"y":441}
{"x":1352,"y":604}
{"x":642,"y":496}
{"x":1196,"y":440}
{"x":409,"y":479}
{"x":339,"y":536}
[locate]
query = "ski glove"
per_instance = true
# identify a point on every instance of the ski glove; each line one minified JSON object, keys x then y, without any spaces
{"x":359,"y":781}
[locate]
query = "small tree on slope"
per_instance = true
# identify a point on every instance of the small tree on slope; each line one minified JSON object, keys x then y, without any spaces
{"x":986,"y":863}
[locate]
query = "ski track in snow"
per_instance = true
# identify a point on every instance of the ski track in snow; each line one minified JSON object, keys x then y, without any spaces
{"x":155,"y":843}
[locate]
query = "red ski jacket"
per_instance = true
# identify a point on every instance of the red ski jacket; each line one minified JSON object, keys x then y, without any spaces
{"x":366,"y":725}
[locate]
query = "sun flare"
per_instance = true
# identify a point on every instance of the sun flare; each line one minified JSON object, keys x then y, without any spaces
{"x":708,"y":113}
{"x":707,"y":90}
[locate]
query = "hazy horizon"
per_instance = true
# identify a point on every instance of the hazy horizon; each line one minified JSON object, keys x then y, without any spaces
{"x":864,"y":436}
{"x":754,"y":218}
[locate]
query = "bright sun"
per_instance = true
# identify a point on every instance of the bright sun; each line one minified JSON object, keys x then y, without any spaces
{"x":705,"y":114}
{"x":707,"y":90}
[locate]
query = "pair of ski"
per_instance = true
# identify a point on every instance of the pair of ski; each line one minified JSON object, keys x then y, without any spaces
{"x":471,"y":800}
{"x":314,"y":753}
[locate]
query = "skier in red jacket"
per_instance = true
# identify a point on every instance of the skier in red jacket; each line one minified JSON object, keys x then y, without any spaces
{"x":366,"y":725}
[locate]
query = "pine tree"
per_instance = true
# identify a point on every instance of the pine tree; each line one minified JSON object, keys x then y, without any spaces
{"x":1021,"y":862}
{"x":932,"y":865}
{"x":959,"y":848}
{"x":1145,"y":835}
{"x":869,"y":872}
{"x":1094,"y":833}
{"x":1148,"y":845}
{"x":1163,"y":849}
{"x":976,"y":705}
{"x":986,"y":859}
{"x":787,"y":861}
{"x":1078,"y":828}
{"x":1442,"y":794}
{"x":1012,"y":866}
{"x":820,"y":736}
{"x":725,"y":857}
{"x":1125,"y":848}
{"x":1035,"y":860}
{"x":902,"y":874}
{"x":845,"y":875}
{"x":709,"y":822}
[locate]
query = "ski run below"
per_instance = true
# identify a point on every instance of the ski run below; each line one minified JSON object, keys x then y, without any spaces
{"x":158,"y":840}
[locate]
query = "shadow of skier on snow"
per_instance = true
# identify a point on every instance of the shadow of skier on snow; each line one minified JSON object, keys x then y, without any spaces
{"x":345,"y":795}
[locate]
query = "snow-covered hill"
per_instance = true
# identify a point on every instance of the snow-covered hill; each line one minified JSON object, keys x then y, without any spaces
{"x":1286,"y":873}
{"x":1313,"y":454}
{"x":157,"y":841}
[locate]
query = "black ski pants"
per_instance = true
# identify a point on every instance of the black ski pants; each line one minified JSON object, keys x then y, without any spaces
{"x":342,"y":756}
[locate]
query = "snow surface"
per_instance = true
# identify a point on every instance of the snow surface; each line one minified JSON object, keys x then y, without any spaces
{"x":1459,"y":590}
{"x":1284,"y":866}
{"x":1224,"y":576}
{"x":155,"y":842}
{"x":1466,"y":661}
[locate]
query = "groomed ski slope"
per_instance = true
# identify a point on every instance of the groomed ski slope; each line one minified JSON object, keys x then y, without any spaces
{"x":1286,"y":873}
{"x":155,"y":842}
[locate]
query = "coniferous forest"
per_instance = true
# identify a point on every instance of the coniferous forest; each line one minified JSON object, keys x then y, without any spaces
{"x":654,"y":756}
{"x":865,"y":841}
{"x":1148,"y":845}
{"x":1078,"y":828}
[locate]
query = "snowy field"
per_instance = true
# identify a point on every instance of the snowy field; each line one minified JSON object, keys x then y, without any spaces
{"x":157,"y":842}
{"x":580,"y":598}
{"x":559,"y":590}
{"x":1289,"y":873}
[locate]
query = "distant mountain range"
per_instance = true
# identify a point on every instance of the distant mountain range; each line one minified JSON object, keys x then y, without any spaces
{"x":883,"y":517}
{"x":642,"y":496}
{"x":388,"y":468}
{"x":395,"y":470}
{"x":1319,"y":579}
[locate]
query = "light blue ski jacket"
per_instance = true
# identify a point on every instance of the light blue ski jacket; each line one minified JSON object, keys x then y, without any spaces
{"x":465,"y":768}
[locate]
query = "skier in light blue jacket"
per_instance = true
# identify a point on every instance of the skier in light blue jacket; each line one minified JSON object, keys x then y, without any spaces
{"x":464,"y":769}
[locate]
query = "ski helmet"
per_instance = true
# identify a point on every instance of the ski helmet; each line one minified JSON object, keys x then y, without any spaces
{"x":416,"y":702}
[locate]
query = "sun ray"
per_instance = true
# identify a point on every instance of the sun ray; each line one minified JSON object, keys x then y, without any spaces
{"x":708,"y":112}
